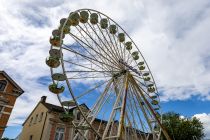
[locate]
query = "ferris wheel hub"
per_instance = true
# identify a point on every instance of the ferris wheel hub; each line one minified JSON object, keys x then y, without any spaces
{"x":129,"y":67}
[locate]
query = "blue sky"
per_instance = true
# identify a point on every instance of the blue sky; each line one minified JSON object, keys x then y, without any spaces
{"x":173,"y":36}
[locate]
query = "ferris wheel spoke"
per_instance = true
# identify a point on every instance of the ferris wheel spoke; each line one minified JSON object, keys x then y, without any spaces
{"x":140,"y":101}
{"x":99,"y":54}
{"x":80,"y":78}
{"x":130,"y":127}
{"x":150,"y":108}
{"x":85,"y":67}
{"x":114,"y":61}
{"x":108,"y":48}
{"x":143,"y":90}
{"x":87,"y":57}
{"x":101,"y":101}
{"x":112,"y":44}
{"x":130,"y":109}
{"x":91,"y":71}
{"x":117,"y":46}
{"x":89,"y":45}
{"x":80,"y":65}
{"x":89,"y":48}
{"x":106,"y":39}
{"x":120,"y":48}
{"x":96,"y":46}
{"x":129,"y":58}
{"x":114,"y":109}
{"x":134,"y":108}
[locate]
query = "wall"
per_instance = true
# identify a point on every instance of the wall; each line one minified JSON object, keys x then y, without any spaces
{"x":34,"y":129}
{"x":10,"y":96}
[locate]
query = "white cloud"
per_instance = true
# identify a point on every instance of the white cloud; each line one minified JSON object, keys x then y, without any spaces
{"x":205,"y":119}
{"x":173,"y":37}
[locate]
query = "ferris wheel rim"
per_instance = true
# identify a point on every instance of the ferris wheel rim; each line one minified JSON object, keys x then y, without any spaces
{"x":63,"y":67}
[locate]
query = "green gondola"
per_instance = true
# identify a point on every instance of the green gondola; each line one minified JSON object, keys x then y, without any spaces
{"x":153,"y":97}
{"x":62,"y":21}
{"x":66,"y":30}
{"x":74,"y":18}
{"x":66,"y":117}
{"x":135,"y":55}
{"x":151,"y":89}
{"x":141,"y":63}
{"x":147,"y":78}
{"x":57,"y":33}
{"x":52,"y":62}
{"x":55,"y":89}
{"x":121,"y":37}
{"x":104,"y":23}
{"x":55,"y":53}
{"x":84,"y":16}
{"x":93,"y":18}
{"x":146,"y":74}
{"x":58,"y":77}
{"x":141,"y":67}
{"x":128,"y":45}
{"x":69,"y":103}
{"x":84,"y":127}
{"x":154,"y":102}
{"x":112,"y":29}
{"x":156,"y":108}
{"x":55,"y":41}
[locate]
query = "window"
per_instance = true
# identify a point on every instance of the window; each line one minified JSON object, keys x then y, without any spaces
{"x":3,"y":84}
{"x":1,"y":108}
{"x":78,"y":116}
{"x":36,"y":118}
{"x":31,"y":137}
{"x":40,"y":118}
{"x":31,"y":120}
{"x":59,"y":134}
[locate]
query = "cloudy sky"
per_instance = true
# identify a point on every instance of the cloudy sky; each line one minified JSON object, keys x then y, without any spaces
{"x":172,"y":35}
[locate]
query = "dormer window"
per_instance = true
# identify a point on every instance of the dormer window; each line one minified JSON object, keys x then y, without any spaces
{"x":78,"y":115}
{"x":3,"y":84}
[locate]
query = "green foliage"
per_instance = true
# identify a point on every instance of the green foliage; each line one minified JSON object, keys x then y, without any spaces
{"x":180,"y":128}
{"x":5,"y":139}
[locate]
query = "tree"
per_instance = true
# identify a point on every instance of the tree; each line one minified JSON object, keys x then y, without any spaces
{"x":5,"y":139}
{"x":181,"y":128}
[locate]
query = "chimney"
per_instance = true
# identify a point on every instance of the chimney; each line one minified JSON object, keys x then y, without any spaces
{"x":43,"y":99}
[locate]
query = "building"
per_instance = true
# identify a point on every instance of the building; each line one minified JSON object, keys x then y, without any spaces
{"x":9,"y":92}
{"x":45,"y":123}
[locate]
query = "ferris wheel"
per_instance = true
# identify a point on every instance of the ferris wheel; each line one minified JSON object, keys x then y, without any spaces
{"x":94,"y":61}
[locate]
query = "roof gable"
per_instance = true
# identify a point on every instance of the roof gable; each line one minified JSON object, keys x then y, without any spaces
{"x":20,"y":90}
{"x":40,"y":103}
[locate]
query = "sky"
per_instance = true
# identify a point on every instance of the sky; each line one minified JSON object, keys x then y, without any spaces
{"x":173,"y":36}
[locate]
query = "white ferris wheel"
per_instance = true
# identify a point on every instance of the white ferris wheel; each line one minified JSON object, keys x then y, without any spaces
{"x":93,"y":60}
